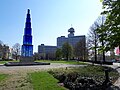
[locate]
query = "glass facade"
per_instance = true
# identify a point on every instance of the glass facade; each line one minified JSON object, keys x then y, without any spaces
{"x":27,"y":47}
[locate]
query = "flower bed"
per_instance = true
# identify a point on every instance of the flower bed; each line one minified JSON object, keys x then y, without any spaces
{"x":84,"y":78}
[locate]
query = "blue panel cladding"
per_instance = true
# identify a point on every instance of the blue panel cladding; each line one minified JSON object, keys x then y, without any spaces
{"x":27,"y":47}
{"x":27,"y":39}
{"x":28,"y":25}
{"x":28,"y":19}
{"x":27,"y":50}
{"x":27,"y":31}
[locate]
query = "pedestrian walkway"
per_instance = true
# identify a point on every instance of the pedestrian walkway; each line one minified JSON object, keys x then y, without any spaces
{"x":117,"y":83}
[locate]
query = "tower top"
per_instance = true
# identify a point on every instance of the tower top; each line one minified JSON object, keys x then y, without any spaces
{"x":71,"y":30}
{"x":28,"y":11}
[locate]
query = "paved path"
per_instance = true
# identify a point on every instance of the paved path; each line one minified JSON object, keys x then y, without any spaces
{"x":117,"y":67}
{"x":15,"y":69}
{"x":117,"y":83}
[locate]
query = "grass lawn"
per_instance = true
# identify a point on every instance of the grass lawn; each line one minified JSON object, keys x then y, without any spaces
{"x":50,"y":61}
{"x":44,"y":81}
{"x":2,"y":77}
{"x":64,"y":62}
{"x":3,"y":62}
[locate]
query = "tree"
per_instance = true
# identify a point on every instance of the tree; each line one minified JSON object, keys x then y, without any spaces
{"x":93,"y":40}
{"x":94,"y":37}
{"x":112,"y":23}
{"x":5,"y":52}
{"x":1,"y":43}
{"x":50,"y":56}
{"x":79,"y":50}
{"x":1,"y":49}
{"x":36,"y":56}
{"x":102,"y":44}
{"x":58,"y":54}
{"x":67,"y":50}
{"x":16,"y":50}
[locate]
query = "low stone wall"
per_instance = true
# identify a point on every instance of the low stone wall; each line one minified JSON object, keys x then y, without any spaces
{"x":26,"y":60}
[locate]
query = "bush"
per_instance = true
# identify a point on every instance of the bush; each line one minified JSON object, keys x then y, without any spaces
{"x":85,"y":78}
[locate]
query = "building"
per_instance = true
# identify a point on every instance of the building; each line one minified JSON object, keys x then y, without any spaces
{"x":71,"y":39}
{"x":46,"y":49}
{"x":47,"y":52}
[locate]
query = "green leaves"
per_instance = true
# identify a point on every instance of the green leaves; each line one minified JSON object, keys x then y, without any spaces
{"x":67,"y":50}
{"x":101,"y":0}
{"x":110,"y":30}
{"x":112,"y":23}
{"x":58,"y":53}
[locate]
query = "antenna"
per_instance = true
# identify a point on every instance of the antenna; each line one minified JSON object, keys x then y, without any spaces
{"x":28,"y":11}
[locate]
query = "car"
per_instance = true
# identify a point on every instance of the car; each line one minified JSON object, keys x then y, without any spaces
{"x":113,"y":60}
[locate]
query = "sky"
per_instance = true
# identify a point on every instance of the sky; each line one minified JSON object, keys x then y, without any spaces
{"x":49,"y":18}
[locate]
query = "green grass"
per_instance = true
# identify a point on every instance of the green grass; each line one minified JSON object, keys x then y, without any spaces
{"x":3,"y":62}
{"x":64,"y":62}
{"x":2,"y":77}
{"x":44,"y":81}
{"x":50,"y":61}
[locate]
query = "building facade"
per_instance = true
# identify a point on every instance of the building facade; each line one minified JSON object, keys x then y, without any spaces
{"x":47,"y":52}
{"x":71,"y":39}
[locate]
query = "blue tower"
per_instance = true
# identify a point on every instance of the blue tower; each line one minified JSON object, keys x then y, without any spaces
{"x":27,"y":47}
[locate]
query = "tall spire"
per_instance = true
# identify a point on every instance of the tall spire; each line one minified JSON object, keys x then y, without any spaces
{"x":28,"y":11}
{"x":27,"y":47}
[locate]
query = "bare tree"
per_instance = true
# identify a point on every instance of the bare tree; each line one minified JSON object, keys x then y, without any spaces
{"x":16,"y":50}
{"x":93,"y":40}
{"x":94,"y":36}
{"x":1,"y":43}
{"x":100,"y":27}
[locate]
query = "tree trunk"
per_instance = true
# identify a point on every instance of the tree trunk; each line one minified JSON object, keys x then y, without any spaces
{"x":95,"y":48}
{"x":103,"y":52}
